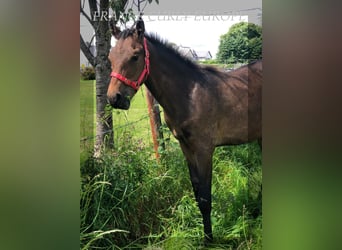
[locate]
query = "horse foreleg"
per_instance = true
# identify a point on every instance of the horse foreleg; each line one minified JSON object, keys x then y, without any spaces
{"x":200,"y":168}
{"x":204,"y":203}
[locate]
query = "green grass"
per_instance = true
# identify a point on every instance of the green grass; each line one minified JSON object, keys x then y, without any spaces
{"x":124,"y":121}
{"x":135,"y":119}
{"x":87,"y":109}
{"x":131,"y":201}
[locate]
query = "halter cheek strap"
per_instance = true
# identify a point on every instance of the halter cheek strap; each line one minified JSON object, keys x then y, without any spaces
{"x":146,"y":71}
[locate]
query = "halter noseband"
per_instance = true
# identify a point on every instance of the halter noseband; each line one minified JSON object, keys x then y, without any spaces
{"x":146,"y":71}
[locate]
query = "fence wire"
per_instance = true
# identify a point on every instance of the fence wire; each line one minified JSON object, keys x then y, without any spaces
{"x":119,"y":127}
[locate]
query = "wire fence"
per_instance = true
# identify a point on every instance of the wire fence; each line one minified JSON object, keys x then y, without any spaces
{"x":145,"y":117}
{"x":144,"y":129}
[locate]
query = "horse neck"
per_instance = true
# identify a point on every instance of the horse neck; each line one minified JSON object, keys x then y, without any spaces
{"x":167,"y":81}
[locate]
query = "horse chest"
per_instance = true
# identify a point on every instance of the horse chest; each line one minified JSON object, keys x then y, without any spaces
{"x":181,"y":133}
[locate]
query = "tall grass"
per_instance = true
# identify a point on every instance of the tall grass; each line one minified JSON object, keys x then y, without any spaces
{"x":130,"y":201}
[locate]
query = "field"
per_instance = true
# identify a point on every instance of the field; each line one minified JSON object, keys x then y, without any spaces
{"x":131,"y":201}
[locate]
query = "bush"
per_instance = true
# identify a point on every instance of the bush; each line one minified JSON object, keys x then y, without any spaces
{"x":87,"y":73}
{"x":242,"y":43}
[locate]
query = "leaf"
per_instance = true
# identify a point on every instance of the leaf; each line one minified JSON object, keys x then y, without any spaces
{"x":242,"y":42}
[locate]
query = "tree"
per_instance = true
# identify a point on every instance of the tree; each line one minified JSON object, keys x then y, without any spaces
{"x":243,"y":42}
{"x":99,"y":19}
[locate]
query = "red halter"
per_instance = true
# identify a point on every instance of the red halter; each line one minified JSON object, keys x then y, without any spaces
{"x":136,"y":84}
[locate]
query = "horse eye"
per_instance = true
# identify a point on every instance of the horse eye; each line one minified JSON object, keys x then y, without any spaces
{"x":135,"y":57}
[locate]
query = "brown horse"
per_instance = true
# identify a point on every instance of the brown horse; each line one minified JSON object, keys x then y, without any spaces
{"x":204,"y":107}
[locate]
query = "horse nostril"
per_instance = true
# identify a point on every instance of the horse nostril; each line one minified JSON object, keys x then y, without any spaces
{"x":114,"y":100}
{"x":118,"y":97}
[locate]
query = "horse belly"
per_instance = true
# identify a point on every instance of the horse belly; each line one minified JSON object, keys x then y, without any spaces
{"x":231,"y":137}
{"x":239,"y":121}
{"x":237,"y":131}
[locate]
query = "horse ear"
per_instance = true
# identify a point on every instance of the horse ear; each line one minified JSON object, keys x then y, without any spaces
{"x":140,"y":28}
{"x":115,"y":30}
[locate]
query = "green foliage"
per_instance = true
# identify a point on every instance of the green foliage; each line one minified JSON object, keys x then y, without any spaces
{"x":209,"y":61}
{"x":87,"y":73}
{"x":129,"y":200}
{"x":243,"y":42}
{"x":127,"y":190}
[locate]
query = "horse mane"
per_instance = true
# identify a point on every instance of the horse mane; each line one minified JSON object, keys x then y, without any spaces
{"x":173,"y":50}
{"x":200,"y":71}
{"x":163,"y":44}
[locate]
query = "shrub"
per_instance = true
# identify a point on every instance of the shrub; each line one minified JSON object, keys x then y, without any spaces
{"x":87,"y":73}
{"x":209,"y":61}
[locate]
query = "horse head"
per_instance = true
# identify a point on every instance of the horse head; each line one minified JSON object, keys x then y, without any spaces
{"x":129,"y":60}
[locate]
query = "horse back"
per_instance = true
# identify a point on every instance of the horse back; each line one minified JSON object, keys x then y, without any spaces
{"x":236,"y":105}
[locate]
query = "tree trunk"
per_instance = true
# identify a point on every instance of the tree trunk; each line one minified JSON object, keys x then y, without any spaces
{"x":99,"y":20}
{"x":104,"y":120}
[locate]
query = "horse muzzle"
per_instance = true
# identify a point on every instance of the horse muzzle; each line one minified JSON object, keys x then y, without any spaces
{"x":118,"y":101}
